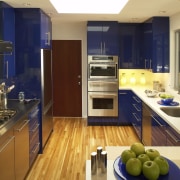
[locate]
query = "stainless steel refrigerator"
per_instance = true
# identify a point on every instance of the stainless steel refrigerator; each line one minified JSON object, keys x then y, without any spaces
{"x":47,"y":96}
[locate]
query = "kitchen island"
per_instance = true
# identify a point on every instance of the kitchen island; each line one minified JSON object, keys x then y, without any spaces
{"x":172,"y":153}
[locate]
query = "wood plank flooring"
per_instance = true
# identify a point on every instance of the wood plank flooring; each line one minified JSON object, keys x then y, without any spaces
{"x":71,"y":144}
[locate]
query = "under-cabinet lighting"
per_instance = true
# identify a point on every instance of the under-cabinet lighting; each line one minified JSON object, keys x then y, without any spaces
{"x":133,"y":79}
{"x":89,"y":6}
{"x":123,"y":79}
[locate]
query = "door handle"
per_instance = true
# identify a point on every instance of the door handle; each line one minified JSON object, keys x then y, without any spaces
{"x":79,"y":83}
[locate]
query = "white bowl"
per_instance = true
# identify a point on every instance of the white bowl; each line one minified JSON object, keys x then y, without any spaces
{"x":151,"y":93}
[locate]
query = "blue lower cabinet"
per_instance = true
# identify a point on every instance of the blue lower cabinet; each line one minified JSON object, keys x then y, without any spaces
{"x":136,"y":113}
{"x":124,"y":107}
{"x":34,"y":140}
{"x":102,"y":121}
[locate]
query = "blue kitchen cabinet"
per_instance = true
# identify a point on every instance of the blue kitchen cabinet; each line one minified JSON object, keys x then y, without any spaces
{"x":124,"y":107}
{"x":130,"y":54}
{"x":158,"y":129}
{"x":155,"y":44}
{"x":7,"y":33}
{"x":102,"y":38}
{"x":136,"y":115}
{"x":33,"y":32}
{"x":34,"y":131}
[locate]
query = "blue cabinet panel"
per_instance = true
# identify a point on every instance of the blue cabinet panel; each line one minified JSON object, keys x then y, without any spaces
{"x":156,"y":44}
{"x":129,"y":46}
{"x":7,"y":33}
{"x":102,"y":38}
{"x":124,"y":107}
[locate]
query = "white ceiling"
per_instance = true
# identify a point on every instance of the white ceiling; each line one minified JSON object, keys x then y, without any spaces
{"x":134,"y":11}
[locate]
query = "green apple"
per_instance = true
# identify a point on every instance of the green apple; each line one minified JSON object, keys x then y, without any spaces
{"x":138,"y":148}
{"x":150,"y":170}
{"x":163,"y":165}
{"x":152,"y":153}
{"x":134,"y":167}
{"x":126,"y":155}
{"x":143,"y":158}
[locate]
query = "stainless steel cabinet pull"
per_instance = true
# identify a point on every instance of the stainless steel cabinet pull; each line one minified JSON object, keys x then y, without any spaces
{"x":173,"y":137}
{"x":136,"y":99}
{"x":123,"y":93}
{"x":138,"y":119}
{"x":21,"y":128}
{"x":36,"y":148}
{"x":33,"y":130}
{"x":5,"y":145}
{"x":157,"y":121}
{"x":137,"y":109}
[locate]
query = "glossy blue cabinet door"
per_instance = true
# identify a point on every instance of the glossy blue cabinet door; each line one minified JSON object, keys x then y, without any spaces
{"x":129,"y":52}
{"x":7,"y":33}
{"x":102,"y":38}
{"x":124,"y":107}
{"x":46,"y":34}
{"x":156,"y":44}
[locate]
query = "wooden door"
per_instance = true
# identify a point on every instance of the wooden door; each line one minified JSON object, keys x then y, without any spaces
{"x":66,"y":68}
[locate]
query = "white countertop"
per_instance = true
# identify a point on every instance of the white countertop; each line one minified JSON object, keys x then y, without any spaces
{"x":174,"y":122}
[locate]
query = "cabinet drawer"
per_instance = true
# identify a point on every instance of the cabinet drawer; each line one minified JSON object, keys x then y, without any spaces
{"x":173,"y":138}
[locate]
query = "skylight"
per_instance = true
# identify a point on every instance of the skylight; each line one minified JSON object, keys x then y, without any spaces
{"x":89,"y":6}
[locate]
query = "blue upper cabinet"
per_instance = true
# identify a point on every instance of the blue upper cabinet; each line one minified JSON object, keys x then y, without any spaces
{"x":33,"y":32}
{"x":7,"y":33}
{"x":102,"y":38}
{"x":156,"y":44}
{"x":130,"y":54}
{"x":46,"y":31}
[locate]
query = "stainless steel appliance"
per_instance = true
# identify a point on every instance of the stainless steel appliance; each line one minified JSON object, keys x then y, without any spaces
{"x":102,"y":67}
{"x":103,"y":86}
{"x":46,"y":87}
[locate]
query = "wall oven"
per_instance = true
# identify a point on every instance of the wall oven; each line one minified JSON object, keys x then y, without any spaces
{"x":103,"y":86}
{"x":103,"y":104}
{"x":102,"y":67}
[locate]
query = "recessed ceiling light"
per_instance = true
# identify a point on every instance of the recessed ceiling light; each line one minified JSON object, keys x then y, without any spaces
{"x":89,"y":6}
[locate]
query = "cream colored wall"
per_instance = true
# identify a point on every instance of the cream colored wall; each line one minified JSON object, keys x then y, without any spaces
{"x":77,"y":31}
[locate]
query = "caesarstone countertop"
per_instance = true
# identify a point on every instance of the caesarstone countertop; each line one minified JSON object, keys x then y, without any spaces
{"x":174,"y":122}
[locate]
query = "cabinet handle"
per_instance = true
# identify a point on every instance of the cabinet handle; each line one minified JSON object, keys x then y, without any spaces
{"x":101,"y":48}
{"x":150,"y":64}
{"x":134,"y":114}
{"x":104,"y":48}
{"x":5,"y":145}
{"x":33,"y":130}
{"x":36,"y":148}
{"x":172,"y":136}
{"x":145,"y":63}
{"x":21,"y":128}
{"x":136,"y":99}
{"x":137,"y":109}
{"x":47,"y":42}
{"x":157,"y":121}
{"x":123,"y":93}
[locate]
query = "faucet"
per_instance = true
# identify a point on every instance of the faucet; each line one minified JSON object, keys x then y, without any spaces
{"x":3,"y":95}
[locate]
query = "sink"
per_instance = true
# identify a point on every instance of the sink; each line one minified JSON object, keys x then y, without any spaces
{"x":171,"y":111}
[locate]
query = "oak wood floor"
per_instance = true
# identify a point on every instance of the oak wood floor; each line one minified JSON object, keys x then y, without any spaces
{"x":71,"y":144}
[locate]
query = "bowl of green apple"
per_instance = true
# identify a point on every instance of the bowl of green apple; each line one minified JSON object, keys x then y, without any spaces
{"x":166,"y":99}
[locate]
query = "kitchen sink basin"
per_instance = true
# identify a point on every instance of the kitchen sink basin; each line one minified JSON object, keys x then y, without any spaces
{"x":171,"y":111}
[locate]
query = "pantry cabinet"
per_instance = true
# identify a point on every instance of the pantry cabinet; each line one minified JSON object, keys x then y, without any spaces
{"x":102,"y":38}
{"x":155,"y":45}
{"x":33,"y":27}
{"x":7,"y":33}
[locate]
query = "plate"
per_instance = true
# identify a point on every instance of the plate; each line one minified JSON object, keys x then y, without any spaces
{"x":119,"y":168}
{"x":171,"y":104}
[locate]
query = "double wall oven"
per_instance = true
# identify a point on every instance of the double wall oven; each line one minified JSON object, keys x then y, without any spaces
{"x":103,"y":86}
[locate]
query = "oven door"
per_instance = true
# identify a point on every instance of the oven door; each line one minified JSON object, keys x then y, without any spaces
{"x":102,"y":71}
{"x":104,"y":104}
